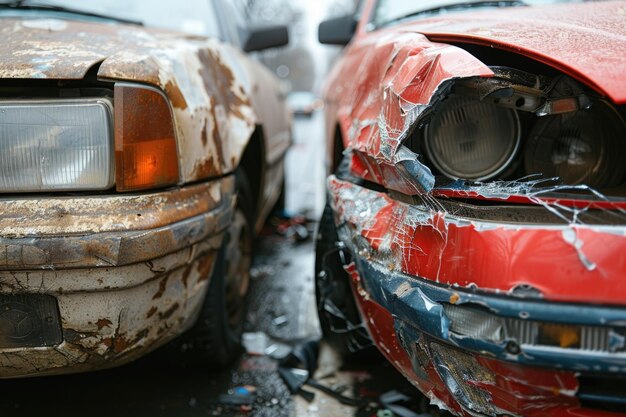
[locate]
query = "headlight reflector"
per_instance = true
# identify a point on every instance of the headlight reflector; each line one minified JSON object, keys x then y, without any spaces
{"x":56,"y":145}
{"x":472,"y":139}
{"x":582,"y":147}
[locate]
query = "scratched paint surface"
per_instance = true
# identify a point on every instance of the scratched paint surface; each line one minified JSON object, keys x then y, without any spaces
{"x":519,"y":239}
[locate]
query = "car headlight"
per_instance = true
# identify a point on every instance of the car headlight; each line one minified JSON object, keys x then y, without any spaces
{"x":472,"y":139}
{"x":55,"y":145}
{"x":581,"y":147}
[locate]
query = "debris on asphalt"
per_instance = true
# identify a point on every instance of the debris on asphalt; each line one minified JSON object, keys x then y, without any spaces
{"x":280,"y":320}
{"x":255,"y":343}
{"x":277,"y":350}
{"x":297,"y":228}
{"x":297,"y":368}
{"x":393,"y":400}
{"x":238,"y":396}
{"x":294,"y":378}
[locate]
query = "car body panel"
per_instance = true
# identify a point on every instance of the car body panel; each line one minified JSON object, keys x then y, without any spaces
{"x":125,"y":283}
{"x":515,"y":251}
{"x":375,"y":100}
{"x":583,"y":40}
{"x":129,"y":271}
{"x":209,"y":83}
{"x":411,"y":263}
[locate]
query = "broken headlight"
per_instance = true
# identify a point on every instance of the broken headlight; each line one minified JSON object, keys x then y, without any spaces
{"x":472,"y":139}
{"x":54,"y":145}
{"x":581,"y":147}
{"x":518,"y":124}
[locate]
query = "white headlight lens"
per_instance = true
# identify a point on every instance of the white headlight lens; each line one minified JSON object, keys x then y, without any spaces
{"x":472,"y":139}
{"x":55,"y":145}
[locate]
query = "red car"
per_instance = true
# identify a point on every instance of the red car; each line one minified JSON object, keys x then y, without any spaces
{"x":476,"y":225}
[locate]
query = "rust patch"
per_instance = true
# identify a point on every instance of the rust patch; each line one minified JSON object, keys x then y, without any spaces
{"x":175,"y":96}
{"x":217,"y":140}
{"x":204,"y":169}
{"x":151,"y":312}
{"x":120,"y":344}
{"x":219,"y":81}
{"x":204,"y":134}
{"x":185,"y":277}
{"x":454,"y":298}
{"x":161,"y":289}
{"x":211,"y":165}
{"x":103,"y":323}
{"x":204,"y":267}
{"x":168,"y":313}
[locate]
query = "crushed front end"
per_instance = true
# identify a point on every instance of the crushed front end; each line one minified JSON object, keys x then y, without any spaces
{"x":484,"y":228}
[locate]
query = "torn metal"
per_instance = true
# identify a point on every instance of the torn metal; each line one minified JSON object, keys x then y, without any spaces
{"x":420,"y":281}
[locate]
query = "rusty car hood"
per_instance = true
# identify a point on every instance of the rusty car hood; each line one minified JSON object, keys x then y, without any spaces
{"x":62,"y":49}
{"x":586,"y":41}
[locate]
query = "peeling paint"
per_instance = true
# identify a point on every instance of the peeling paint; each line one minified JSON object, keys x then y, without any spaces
{"x":130,"y":321}
{"x":129,"y":273}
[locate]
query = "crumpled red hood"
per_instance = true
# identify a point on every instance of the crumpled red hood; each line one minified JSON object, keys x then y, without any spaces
{"x":586,"y":41}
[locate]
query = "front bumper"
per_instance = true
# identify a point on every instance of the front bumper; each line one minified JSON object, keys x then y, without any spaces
{"x":128,"y":273}
{"x":478,"y":350}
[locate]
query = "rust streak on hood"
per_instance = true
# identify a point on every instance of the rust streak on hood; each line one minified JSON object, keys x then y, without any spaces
{"x":586,"y":41}
{"x":58,"y":49}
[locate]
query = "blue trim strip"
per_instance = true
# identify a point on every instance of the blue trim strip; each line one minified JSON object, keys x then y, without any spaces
{"x":419,"y":303}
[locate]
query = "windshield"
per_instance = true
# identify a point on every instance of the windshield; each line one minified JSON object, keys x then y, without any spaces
{"x":196,"y":17}
{"x":388,"y":11}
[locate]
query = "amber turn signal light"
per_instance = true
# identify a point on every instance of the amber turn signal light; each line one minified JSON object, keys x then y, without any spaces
{"x":145,"y":142}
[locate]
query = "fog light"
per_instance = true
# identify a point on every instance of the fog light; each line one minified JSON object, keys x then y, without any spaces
{"x":475,"y":323}
{"x":471,"y":139}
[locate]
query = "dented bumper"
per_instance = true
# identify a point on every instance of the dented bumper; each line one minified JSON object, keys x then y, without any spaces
{"x":489,"y":318}
{"x":94,"y":282}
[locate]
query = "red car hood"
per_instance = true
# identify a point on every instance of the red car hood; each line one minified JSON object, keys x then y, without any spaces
{"x":586,"y":40}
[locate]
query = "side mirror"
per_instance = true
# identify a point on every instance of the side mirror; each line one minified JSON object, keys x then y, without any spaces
{"x":265,"y":37}
{"x":337,"y":31}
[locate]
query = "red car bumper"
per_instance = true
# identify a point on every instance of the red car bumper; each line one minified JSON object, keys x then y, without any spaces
{"x":490,"y":317}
